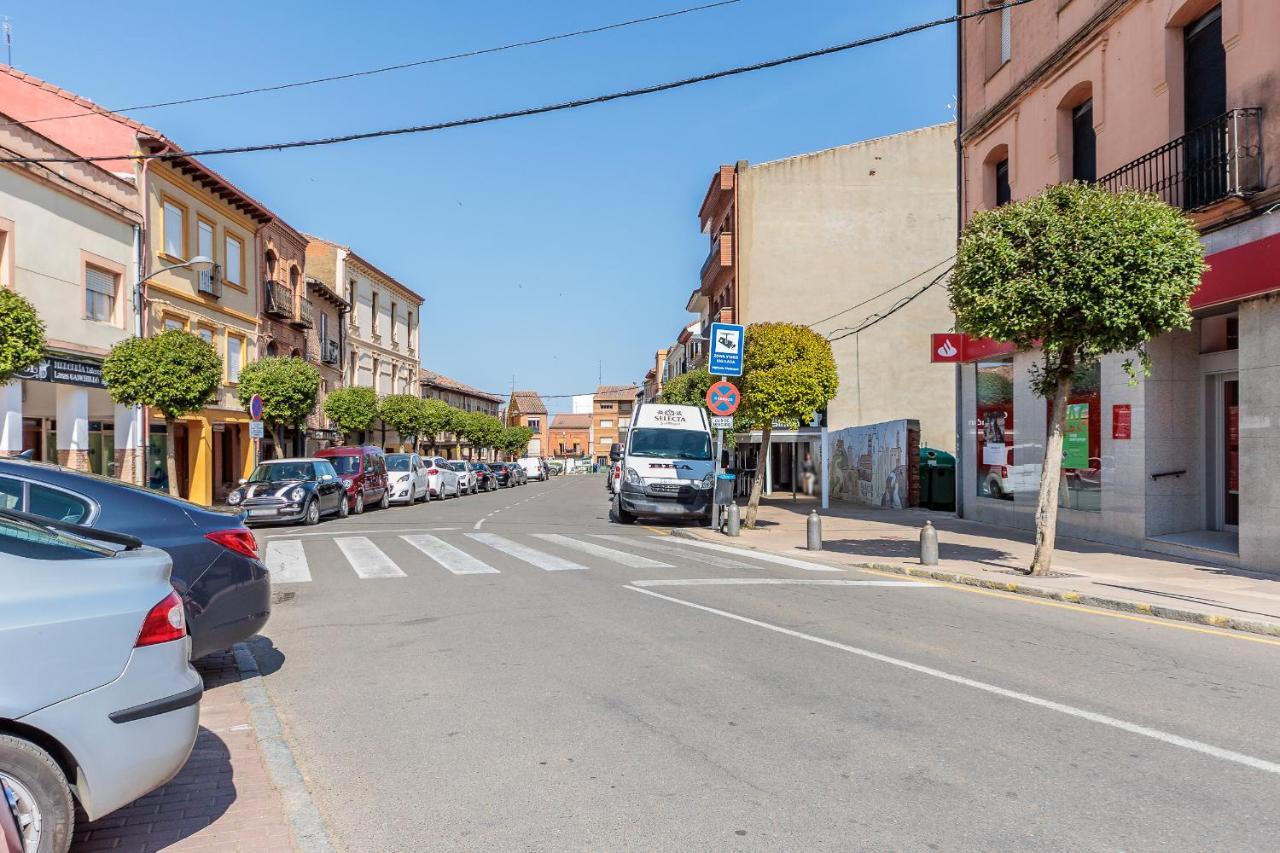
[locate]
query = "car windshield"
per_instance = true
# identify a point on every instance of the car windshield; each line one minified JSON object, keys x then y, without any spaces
{"x":479,"y":466}
{"x":671,"y":443}
{"x":276,"y":471}
{"x":398,"y":462}
{"x":346,"y":464}
{"x":458,"y":466}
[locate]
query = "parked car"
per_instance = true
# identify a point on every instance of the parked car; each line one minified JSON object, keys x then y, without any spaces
{"x":503,"y":474}
{"x":518,"y":472}
{"x":407,"y":478}
{"x":555,"y":469}
{"x":224,"y":586}
{"x":100,"y":699}
{"x":535,"y":467}
{"x":442,"y":480}
{"x":467,"y":481}
{"x":364,"y":475}
{"x":486,"y":477}
{"x":293,"y":490}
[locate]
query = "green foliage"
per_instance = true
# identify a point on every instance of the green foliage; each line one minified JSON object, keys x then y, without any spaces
{"x":788,"y":374}
{"x":1078,"y":271}
{"x":438,"y":416}
{"x":404,"y":413}
{"x":175,"y":372}
{"x":351,"y":409}
{"x":21,"y":334}
{"x":687,"y":389}
{"x":482,"y":430}
{"x":515,"y":439}
{"x":288,"y":387}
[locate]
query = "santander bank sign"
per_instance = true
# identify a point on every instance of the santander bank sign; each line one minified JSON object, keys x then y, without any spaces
{"x":946,"y":348}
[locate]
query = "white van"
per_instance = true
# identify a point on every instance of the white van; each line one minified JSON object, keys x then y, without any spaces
{"x":534,"y":467}
{"x":668,"y":470}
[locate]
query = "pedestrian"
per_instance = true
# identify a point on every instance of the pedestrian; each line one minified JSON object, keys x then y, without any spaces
{"x":808,"y":472}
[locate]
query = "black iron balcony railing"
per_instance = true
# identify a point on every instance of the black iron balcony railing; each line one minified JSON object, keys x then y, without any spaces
{"x":278,"y":299}
{"x":1218,"y":160}
{"x":306,"y":314}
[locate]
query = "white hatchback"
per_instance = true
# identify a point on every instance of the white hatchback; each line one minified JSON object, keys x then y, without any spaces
{"x":407,"y":478}
{"x":442,"y":480}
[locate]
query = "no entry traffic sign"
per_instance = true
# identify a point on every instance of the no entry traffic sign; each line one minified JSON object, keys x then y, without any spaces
{"x":723,"y":398}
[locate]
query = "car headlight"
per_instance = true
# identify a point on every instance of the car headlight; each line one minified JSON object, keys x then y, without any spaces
{"x":706,"y":482}
{"x":297,"y":493}
{"x":633,"y":478}
{"x":346,"y":484}
{"x":235,"y":497}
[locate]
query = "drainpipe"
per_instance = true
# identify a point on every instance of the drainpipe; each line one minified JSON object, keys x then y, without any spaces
{"x":960,"y":436}
{"x":141,"y":306}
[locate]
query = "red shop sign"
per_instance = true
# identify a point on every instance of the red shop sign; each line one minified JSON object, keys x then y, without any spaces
{"x":1122,"y":421}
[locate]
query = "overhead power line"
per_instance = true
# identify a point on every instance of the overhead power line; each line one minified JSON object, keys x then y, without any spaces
{"x":386,"y":68}
{"x":876,"y":296}
{"x":540,"y":110}
{"x":840,"y":334}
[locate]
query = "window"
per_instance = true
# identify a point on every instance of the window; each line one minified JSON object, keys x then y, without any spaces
{"x":235,"y":357}
{"x":1082,"y":443}
{"x":1006,"y":34}
{"x":175,"y":230}
{"x":174,"y":324}
{"x":373,"y":325}
{"x":607,"y":424}
{"x":56,"y":504}
{"x":324,"y":331}
{"x":99,"y":294}
{"x":294,"y":277}
{"x":1003,"y":195}
{"x":206,"y":334}
{"x":233,"y":270}
{"x":204,"y":238}
{"x":1084,"y":144}
{"x":377,"y":375}
{"x":606,"y":407}
{"x":994,"y":420}
{"x":270,"y":258}
{"x":535,"y":424}
{"x":395,"y":310}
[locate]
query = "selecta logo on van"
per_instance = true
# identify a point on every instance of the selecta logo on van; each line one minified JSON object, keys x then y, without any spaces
{"x":670,"y":416}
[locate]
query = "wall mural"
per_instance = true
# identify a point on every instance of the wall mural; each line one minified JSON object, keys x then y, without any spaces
{"x":873,"y":465}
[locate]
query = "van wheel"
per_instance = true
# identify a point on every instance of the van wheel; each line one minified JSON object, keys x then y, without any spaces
{"x":343,"y":509}
{"x":621,"y":515}
{"x":359,"y":507}
{"x":386,"y":499}
{"x":42,"y":799}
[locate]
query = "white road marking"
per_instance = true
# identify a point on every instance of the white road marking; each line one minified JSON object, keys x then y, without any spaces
{"x":342,"y":531}
{"x":763,"y":556}
{"x":1049,"y":704}
{"x":655,"y":543}
{"x":541,"y":559}
{"x":287,"y":562}
{"x":778,"y":582}
{"x":635,"y":561}
{"x":367,"y":559}
{"x":454,"y":559}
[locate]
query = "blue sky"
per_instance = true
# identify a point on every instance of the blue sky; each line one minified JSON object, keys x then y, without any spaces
{"x":544,"y":246}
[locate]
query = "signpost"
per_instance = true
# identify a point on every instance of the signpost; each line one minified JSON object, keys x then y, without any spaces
{"x":726,"y":349}
{"x":255,"y":427}
{"x":723,"y":399}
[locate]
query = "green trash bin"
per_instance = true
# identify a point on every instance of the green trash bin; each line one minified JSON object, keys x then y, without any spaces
{"x":937,"y":480}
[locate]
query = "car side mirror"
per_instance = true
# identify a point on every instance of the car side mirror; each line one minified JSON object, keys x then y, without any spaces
{"x":243,"y":480}
{"x":615,"y":452}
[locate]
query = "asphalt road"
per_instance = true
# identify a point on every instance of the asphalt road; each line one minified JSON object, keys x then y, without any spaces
{"x":529,"y":692}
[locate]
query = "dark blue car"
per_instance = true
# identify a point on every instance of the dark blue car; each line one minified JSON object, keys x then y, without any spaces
{"x":216,"y":570}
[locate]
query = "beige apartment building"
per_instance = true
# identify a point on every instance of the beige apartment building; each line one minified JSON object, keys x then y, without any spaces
{"x":1179,"y":98}
{"x":829,"y":239}
{"x":324,"y":348}
{"x":437,"y":386}
{"x":381,"y":337}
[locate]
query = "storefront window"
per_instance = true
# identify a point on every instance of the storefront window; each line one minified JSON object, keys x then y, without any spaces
{"x":994,"y":420}
{"x":157,"y":444}
{"x":1082,"y":443}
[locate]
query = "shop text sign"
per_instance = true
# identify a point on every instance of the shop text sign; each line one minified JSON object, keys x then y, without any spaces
{"x":65,"y":371}
{"x":1122,"y":421}
{"x":1075,"y":441}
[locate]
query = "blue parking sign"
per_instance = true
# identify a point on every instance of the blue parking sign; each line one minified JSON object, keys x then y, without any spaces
{"x":727,"y":343}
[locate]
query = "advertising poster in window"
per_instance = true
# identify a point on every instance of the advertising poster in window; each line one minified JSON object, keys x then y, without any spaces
{"x":995,"y":451}
{"x":1075,"y":440}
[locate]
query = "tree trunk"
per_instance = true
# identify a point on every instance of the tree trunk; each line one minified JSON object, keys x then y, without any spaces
{"x":170,"y":455}
{"x":757,"y":485}
{"x":1050,"y":479}
{"x":278,"y":433}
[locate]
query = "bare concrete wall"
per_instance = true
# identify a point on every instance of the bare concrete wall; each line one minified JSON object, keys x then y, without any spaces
{"x":822,"y":232}
{"x":1260,"y":433}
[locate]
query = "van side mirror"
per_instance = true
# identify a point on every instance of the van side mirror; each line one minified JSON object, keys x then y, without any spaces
{"x":615,"y":452}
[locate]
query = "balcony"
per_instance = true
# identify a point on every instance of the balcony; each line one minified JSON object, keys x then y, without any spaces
{"x":209,"y":282}
{"x":306,"y":314}
{"x":1219,"y":160}
{"x":277,"y":300}
{"x":717,"y":263}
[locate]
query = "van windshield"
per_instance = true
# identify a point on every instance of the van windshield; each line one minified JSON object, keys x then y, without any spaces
{"x":671,"y":443}
{"x":346,"y":464}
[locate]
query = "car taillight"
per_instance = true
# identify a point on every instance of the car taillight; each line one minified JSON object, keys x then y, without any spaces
{"x":238,"y":539}
{"x":433,"y":470}
{"x":165,"y":622}
{"x":1004,"y":473}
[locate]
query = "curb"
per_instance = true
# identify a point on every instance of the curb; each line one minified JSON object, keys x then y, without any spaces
{"x":1159,"y":611}
{"x":309,"y":833}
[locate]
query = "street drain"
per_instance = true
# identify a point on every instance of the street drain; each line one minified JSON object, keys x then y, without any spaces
{"x":282,"y":597}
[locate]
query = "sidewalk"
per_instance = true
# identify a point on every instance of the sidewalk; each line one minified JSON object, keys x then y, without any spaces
{"x":222,"y":800}
{"x":988,"y":556}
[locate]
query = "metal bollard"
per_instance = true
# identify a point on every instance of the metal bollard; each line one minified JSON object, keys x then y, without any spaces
{"x":813,"y":532}
{"x":732,"y":520}
{"x":928,"y":545}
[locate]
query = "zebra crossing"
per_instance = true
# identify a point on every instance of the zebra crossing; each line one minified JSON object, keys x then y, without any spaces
{"x":299,"y":560}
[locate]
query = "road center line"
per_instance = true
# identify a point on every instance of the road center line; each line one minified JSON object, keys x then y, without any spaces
{"x":1069,"y":710}
{"x":777,"y":582}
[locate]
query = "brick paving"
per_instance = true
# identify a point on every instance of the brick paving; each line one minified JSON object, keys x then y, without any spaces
{"x":223,"y":800}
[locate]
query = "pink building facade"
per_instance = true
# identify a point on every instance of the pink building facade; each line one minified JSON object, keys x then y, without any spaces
{"x":1180,"y":98}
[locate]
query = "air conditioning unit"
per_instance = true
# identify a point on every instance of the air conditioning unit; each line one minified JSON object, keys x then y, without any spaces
{"x":211,"y":282}
{"x":330,"y":353}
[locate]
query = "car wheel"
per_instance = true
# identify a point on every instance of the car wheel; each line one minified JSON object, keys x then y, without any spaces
{"x":359,"y":503}
{"x":311,"y":514}
{"x":35,"y":789}
{"x":343,"y":509}
{"x":386,"y":499}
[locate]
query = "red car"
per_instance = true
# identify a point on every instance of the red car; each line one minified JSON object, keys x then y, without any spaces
{"x":364,"y":475}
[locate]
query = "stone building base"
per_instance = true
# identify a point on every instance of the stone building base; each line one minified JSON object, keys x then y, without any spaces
{"x":76,"y":460}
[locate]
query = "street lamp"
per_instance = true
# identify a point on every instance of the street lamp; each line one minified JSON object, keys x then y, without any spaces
{"x":199,"y":263}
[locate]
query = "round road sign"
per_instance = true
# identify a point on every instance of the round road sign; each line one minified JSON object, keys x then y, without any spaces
{"x":723,"y":398}
{"x":255,"y":407}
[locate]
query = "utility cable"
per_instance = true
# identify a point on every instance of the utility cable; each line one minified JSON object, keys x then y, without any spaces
{"x":889,"y":312}
{"x":876,"y":296}
{"x":383,"y":70}
{"x":531,"y":111}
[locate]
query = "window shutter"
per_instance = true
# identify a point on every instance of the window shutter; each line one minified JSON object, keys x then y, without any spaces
{"x":100,"y":281}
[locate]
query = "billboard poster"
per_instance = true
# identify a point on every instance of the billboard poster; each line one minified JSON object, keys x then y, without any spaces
{"x":1075,"y":439}
{"x":995,"y":451}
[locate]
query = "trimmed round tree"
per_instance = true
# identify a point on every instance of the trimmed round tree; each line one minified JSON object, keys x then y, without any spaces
{"x":788,"y":373}
{"x":404,"y":414}
{"x":288,"y":387}
{"x":483,"y":431}
{"x":175,"y":372}
{"x":352,"y":409}
{"x":515,"y":440}
{"x":437,"y":417}
{"x":21,"y":334}
{"x":1074,"y":273}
